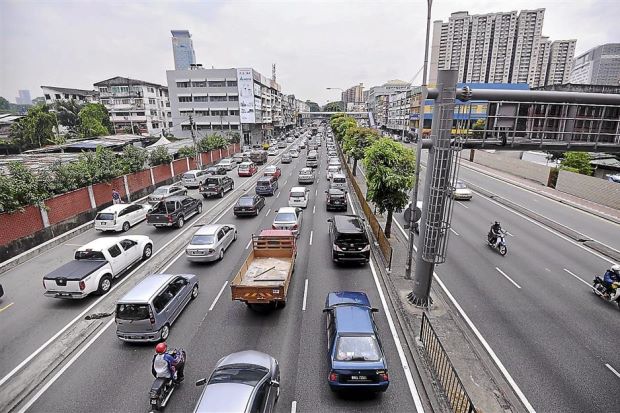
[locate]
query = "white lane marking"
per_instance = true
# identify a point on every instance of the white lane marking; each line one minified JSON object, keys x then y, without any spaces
{"x":285,"y":182}
{"x":74,"y":245}
{"x":463,"y":205}
{"x":614,"y":371}
{"x":360,"y":169}
{"x":578,"y":277}
{"x":218,"y":295}
{"x":482,"y":340}
{"x":278,"y":195}
{"x":351,"y":203}
{"x":311,"y":233}
{"x":303,"y":306}
{"x":316,"y":191}
{"x":399,"y":347}
{"x":294,"y":407}
{"x":314,"y":209}
{"x":249,"y":243}
{"x":508,"y":278}
{"x":454,"y":232}
{"x":6,"y":306}
{"x":268,"y":211}
{"x":64,"y":368}
{"x":552,"y":231}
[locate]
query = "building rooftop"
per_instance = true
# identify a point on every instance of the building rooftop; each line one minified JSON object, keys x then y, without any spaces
{"x":125,"y":81}
{"x":71,"y":91}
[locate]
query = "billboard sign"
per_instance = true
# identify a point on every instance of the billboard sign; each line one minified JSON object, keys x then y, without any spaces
{"x":246,"y":96}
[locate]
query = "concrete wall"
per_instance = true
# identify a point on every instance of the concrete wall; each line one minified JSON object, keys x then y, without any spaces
{"x":523,"y":169}
{"x":590,"y":188}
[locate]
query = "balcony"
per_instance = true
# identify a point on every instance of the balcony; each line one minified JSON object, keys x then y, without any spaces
{"x":132,"y":94}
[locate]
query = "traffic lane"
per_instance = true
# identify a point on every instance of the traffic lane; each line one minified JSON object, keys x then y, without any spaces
{"x":313,"y":393}
{"x":588,"y":224}
{"x":195,"y":317}
{"x":535,"y":313}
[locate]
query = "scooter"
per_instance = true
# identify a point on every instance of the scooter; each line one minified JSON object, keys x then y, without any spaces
{"x":501,"y":246}
{"x":598,"y":287}
{"x":162,"y":388}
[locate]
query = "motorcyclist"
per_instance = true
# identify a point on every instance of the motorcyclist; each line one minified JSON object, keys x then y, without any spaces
{"x":495,"y":233}
{"x":612,"y":276}
{"x":168,"y":364}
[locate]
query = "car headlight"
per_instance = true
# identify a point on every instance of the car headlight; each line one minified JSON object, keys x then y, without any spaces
{"x":337,"y":248}
{"x":366,"y":248}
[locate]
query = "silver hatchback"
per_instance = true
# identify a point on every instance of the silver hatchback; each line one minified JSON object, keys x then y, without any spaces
{"x":210,"y":242}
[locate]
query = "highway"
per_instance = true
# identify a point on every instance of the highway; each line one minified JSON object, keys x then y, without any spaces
{"x":112,"y":376}
{"x":534,"y":306}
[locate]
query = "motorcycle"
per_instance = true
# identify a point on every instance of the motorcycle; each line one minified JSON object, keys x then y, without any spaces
{"x":162,"y":388}
{"x":501,"y":246}
{"x":599,"y":288}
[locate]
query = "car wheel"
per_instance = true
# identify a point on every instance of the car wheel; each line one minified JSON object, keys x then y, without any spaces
{"x":126,"y":226}
{"x":221,"y":257}
{"x":235,"y":237}
{"x":147,"y":252}
{"x":105,"y":283}
{"x":180,"y":222}
{"x":222,"y":194}
{"x":195,"y":292}
{"x":164,"y":333}
{"x":185,"y":192}
{"x":199,"y":208}
{"x":232,"y":186}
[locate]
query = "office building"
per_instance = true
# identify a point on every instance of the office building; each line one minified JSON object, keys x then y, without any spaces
{"x":136,"y":105}
{"x":54,"y":94}
{"x":354,"y":94}
{"x":182,"y":49}
{"x":377,"y":100}
{"x":399,"y":109}
{"x":23,"y":98}
{"x":598,"y":66}
{"x":504,"y":47}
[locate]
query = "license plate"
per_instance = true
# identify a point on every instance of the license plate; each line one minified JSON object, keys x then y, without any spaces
{"x":102,"y":223}
{"x":359,"y":378}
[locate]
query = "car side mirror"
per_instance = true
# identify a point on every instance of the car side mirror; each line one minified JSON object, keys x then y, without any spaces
{"x":201,"y":382}
{"x":275,"y":383}
{"x":329,"y":220}
{"x":327,"y":310}
{"x":374,"y":310}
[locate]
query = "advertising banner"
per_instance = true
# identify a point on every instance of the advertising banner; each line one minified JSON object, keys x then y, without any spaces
{"x":246,"y":96}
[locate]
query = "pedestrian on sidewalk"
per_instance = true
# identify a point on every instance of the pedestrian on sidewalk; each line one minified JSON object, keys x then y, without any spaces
{"x":116,"y":196}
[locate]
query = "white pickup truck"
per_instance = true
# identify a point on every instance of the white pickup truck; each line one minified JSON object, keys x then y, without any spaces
{"x":95,"y":265}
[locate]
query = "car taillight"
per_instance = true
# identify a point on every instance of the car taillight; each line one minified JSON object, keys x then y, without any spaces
{"x":333,"y":376}
{"x":273,"y":226}
{"x":170,"y":218}
{"x":43,"y":283}
{"x":384,"y":377}
{"x":151,"y":316}
{"x":294,"y":226}
{"x":82,"y":285}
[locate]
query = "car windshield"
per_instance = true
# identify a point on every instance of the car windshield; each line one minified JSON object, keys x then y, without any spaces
{"x":339,"y":180}
{"x":189,"y":176}
{"x":212,"y":181}
{"x":202,"y":239}
{"x":89,"y":255}
{"x":160,"y":191}
{"x":244,"y":166}
{"x":244,"y":374}
{"x":246,"y":201}
{"x":105,"y":216}
{"x":270,"y":170}
{"x":132,"y":312}
{"x":460,"y":185}
{"x":285,"y":217}
{"x":306,"y":172}
{"x":357,"y":348}
{"x":263,"y":183}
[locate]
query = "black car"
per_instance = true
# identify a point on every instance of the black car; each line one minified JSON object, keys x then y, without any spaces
{"x":216,"y":186}
{"x":348,"y":238}
{"x":336,"y":200}
{"x":249,"y":205}
{"x":216,"y":170}
{"x":173,"y":211}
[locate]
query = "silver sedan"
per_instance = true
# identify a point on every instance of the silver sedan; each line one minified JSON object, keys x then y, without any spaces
{"x":210,"y":242}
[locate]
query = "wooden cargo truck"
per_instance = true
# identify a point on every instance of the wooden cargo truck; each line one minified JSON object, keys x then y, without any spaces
{"x":265,"y":276}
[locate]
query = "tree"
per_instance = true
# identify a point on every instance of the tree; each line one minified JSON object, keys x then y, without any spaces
{"x":334,"y":107}
{"x":355,"y":142}
{"x":390,"y":171}
{"x":68,"y":114}
{"x":235,"y":137}
{"x":35,"y":129}
{"x":579,"y":161}
{"x":159,"y":156}
{"x":340,"y":125}
{"x":187,"y":152}
{"x":20,"y":188}
{"x":94,"y":120}
{"x":4,"y":104}
{"x":133,"y":159}
{"x":212,"y":142}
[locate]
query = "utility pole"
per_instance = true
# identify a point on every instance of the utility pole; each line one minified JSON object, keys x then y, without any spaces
{"x":191,"y":129}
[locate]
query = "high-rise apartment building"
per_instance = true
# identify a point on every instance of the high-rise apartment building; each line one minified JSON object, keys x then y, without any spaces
{"x":560,"y":62}
{"x":354,"y":94}
{"x":23,"y":98}
{"x":182,"y":49}
{"x":598,"y":66}
{"x":504,"y":47}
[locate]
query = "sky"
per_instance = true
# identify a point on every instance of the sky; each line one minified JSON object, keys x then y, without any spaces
{"x":315,"y":44}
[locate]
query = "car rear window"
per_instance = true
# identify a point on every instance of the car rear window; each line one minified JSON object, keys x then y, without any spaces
{"x":105,"y":216}
{"x":212,"y":181}
{"x":263,"y":183}
{"x":297,"y":194}
{"x":202,"y":239}
{"x":244,"y":374}
{"x":132,"y":311}
{"x":285,"y":217}
{"x":357,"y":348}
{"x":339,"y":180}
{"x":246,"y":202}
{"x":89,"y":255}
{"x":244,"y":167}
{"x":352,"y":238}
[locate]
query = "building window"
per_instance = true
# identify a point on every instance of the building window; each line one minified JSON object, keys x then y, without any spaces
{"x":233,"y":112}
{"x":183,"y":127}
{"x":185,"y":98}
{"x":219,"y":113}
{"x":185,"y":113}
{"x":155,"y":125}
{"x":103,"y":89}
{"x":151,"y":101}
{"x":201,"y":98}
{"x":57,"y":95}
{"x":217,"y":83}
{"x":233,"y":98}
{"x":47,"y":97}
{"x":231,"y":83}
{"x":202,"y":113}
{"x":105,"y":101}
{"x":218,"y":98}
{"x":151,"y":90}
{"x":153,"y":112}
{"x":169,"y":124}
{"x":183,"y":84}
{"x":199,"y":84}
{"x":234,"y":127}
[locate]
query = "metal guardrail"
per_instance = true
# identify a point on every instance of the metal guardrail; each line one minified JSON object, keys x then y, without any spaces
{"x":443,"y":370}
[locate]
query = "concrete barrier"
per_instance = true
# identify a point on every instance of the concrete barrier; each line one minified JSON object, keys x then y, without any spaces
{"x":587,"y":187}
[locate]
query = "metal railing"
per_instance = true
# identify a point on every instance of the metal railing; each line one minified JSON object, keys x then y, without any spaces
{"x":446,"y":375}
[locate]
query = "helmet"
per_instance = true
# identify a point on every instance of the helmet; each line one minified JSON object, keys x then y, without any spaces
{"x":497,"y":223}
{"x":161,"y":348}
{"x":616,"y":268}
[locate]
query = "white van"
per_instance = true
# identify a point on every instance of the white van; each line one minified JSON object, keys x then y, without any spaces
{"x":339,"y":181}
{"x":298,"y":197}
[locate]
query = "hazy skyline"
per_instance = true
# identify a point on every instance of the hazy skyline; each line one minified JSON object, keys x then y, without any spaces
{"x":315,"y":44}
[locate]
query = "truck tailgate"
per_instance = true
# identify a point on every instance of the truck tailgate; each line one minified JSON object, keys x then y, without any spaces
{"x":157,"y":219}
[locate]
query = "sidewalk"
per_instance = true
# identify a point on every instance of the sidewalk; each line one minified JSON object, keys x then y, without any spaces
{"x":482,"y":380}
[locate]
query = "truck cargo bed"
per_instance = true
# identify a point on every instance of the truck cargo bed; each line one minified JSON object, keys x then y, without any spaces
{"x":266,"y":271}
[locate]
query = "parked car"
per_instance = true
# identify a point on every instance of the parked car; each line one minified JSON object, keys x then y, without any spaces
{"x":166,"y":191}
{"x":356,"y":357}
{"x":273,"y":170}
{"x":348,"y":238}
{"x":173,"y":211}
{"x":216,"y":170}
{"x":331,"y":170}
{"x":339,"y":181}
{"x":193,"y":178}
{"x":120,"y":217}
{"x":216,"y":186}
{"x":461,"y":191}
{"x":273,"y":151}
{"x":299,"y":197}
{"x":247,"y":169}
{"x":336,"y":199}
{"x":228,"y":163}
{"x":210,"y":242}
{"x":306,"y":176}
{"x":287,"y":158}
{"x":244,"y":382}
{"x":95,"y":265}
{"x":288,"y":218}
{"x":149,"y":309}
{"x":266,"y":185}
{"x":249,"y":205}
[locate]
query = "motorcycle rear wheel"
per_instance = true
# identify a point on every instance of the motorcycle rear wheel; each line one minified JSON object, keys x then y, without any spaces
{"x":502,"y":250}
